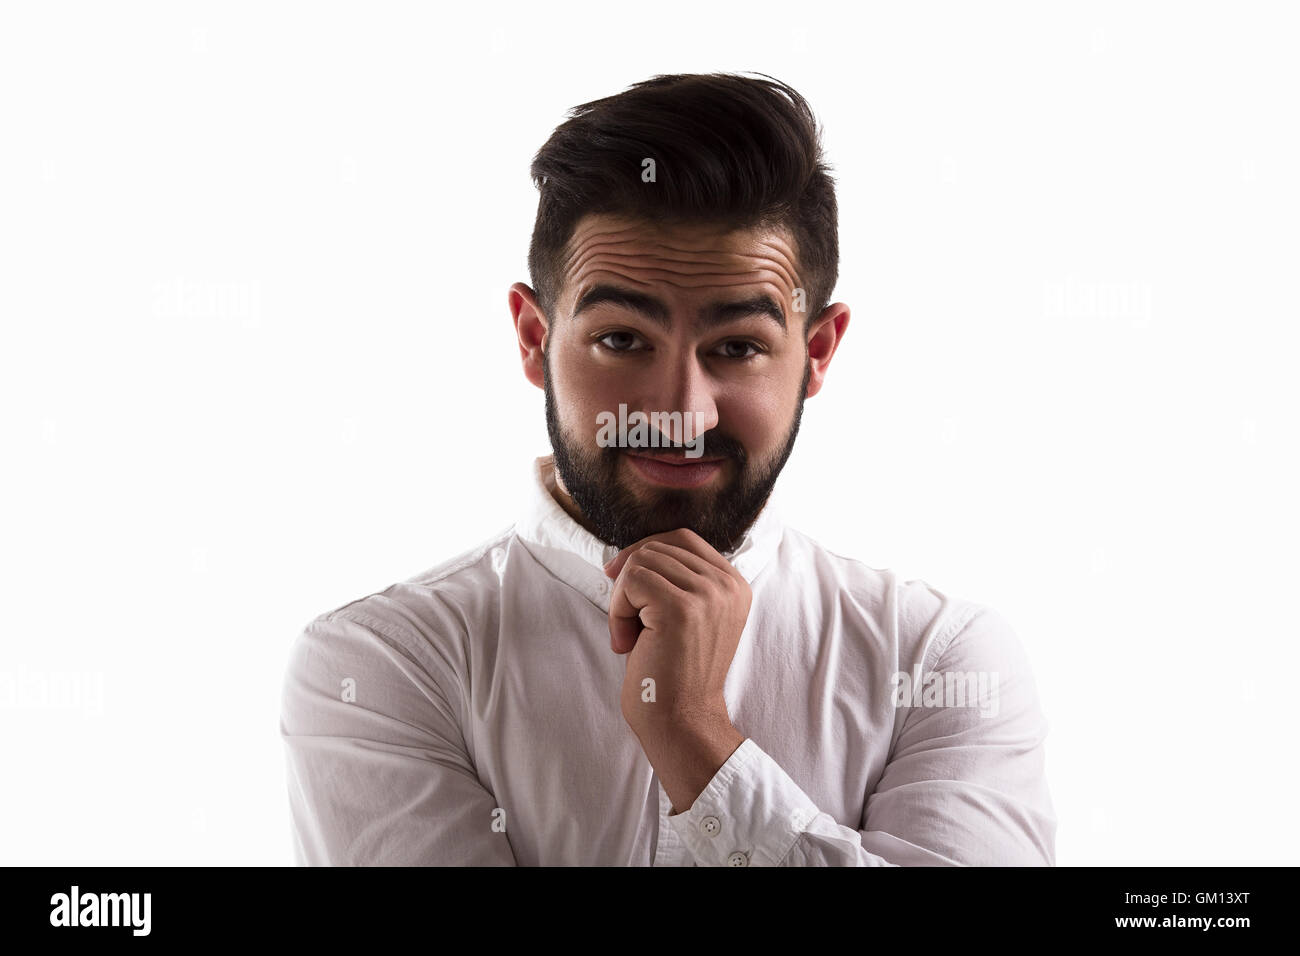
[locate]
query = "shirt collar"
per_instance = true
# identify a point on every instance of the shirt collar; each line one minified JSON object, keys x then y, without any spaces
{"x":577,"y":557}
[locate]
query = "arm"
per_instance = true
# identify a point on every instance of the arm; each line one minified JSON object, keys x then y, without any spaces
{"x":965,"y":785}
{"x":378,"y":774}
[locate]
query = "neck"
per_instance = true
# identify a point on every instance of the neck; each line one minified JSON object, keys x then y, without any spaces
{"x":551,"y":479}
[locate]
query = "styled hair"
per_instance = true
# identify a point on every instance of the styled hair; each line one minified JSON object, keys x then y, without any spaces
{"x":729,"y":151}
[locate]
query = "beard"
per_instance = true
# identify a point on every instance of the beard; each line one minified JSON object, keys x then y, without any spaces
{"x":619,"y":515}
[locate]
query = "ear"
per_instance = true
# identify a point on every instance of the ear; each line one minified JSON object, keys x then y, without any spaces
{"x":531,"y":328}
{"x":824,"y":335}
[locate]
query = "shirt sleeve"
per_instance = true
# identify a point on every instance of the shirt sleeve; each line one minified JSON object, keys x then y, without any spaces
{"x":965,"y":784}
{"x":377,"y":768}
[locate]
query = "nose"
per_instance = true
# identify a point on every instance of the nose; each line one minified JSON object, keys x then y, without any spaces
{"x":684,"y":385}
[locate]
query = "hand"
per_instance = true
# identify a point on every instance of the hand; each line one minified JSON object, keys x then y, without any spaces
{"x":677,"y":610}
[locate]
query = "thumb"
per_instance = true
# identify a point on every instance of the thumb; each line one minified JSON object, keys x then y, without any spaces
{"x":623,"y":632}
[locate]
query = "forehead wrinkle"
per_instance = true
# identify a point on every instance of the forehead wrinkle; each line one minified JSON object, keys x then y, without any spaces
{"x":703,"y":259}
{"x":689,"y":265}
{"x":777,"y":239}
{"x":582,"y":238}
{"x":693,"y":276}
{"x":596,"y":224}
{"x":765,"y":285}
{"x":769,"y":247}
{"x":647,"y":279}
{"x":641,"y":241}
{"x":597,"y":245}
{"x":638,"y":229}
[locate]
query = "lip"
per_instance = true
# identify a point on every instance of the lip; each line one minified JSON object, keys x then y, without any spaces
{"x":676,"y":471}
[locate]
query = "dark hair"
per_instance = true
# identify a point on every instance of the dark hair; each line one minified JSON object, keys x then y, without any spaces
{"x":729,"y":150}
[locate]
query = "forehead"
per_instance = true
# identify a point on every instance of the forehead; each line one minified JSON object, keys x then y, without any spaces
{"x":690,"y":262}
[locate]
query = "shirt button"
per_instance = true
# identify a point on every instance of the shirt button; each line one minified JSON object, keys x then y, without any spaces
{"x":737,"y":859}
{"x":711,"y":825}
{"x":602,"y":587}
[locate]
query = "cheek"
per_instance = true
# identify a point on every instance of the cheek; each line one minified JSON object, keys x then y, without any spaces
{"x":582,"y":391}
{"x":759,"y":416}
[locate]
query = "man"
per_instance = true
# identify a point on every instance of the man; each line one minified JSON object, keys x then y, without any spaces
{"x":648,"y":667}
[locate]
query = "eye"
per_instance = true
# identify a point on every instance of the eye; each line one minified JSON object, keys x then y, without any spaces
{"x":735,"y":349}
{"x":619,"y":341}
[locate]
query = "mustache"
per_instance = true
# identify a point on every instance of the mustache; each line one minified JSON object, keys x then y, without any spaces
{"x":713,"y":444}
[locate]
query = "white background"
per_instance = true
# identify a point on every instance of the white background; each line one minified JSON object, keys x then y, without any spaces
{"x":257,"y":362}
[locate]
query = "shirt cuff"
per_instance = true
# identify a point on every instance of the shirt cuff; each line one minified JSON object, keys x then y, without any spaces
{"x":750,"y":814}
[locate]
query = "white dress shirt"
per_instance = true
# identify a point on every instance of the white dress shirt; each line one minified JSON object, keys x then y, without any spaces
{"x":471,"y":715}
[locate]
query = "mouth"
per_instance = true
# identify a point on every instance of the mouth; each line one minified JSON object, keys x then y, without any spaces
{"x":676,"y":471}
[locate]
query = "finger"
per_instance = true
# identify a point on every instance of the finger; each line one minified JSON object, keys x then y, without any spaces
{"x":688,"y":540}
{"x":679,"y":573}
{"x":616,"y":563}
{"x":692,"y":560}
{"x":680,"y":537}
{"x":634,"y":591}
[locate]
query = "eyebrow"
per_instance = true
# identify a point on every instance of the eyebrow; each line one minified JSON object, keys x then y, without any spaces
{"x":655,"y":309}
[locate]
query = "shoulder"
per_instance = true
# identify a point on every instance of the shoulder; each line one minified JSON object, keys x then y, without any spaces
{"x":914,"y":611}
{"x":428,"y":615}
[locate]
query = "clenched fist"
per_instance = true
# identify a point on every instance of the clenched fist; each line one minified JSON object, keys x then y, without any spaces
{"x":677,"y":611}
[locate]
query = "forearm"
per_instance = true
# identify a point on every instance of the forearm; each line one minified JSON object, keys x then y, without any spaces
{"x":688,"y":755}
